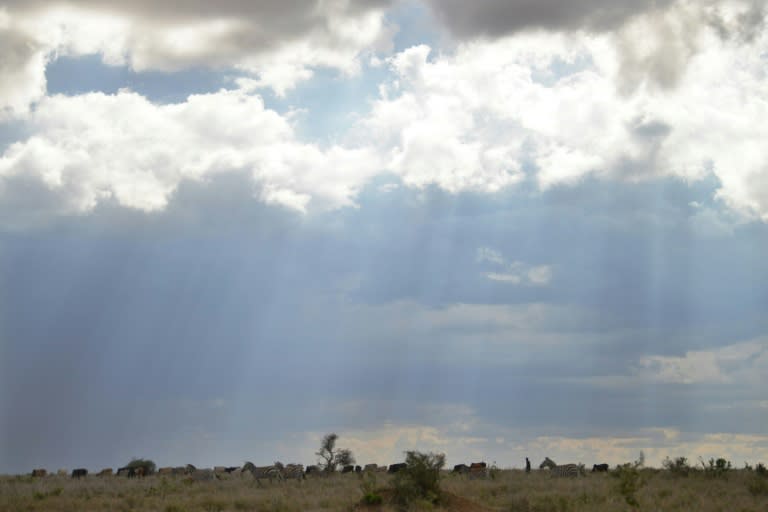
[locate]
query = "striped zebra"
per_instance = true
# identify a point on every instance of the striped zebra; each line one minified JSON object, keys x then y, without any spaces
{"x":295,"y":471}
{"x":261,"y":472}
{"x":572,"y":470}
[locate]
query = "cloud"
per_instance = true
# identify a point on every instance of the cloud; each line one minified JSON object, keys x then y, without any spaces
{"x":515,"y":272}
{"x":745,"y":362}
{"x":95,"y":147}
{"x":22,"y":70}
{"x":280,"y":43}
{"x":558,"y":108}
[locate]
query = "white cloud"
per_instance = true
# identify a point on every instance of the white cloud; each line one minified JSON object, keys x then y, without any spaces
{"x":687,"y":103}
{"x":92,"y":147}
{"x":486,"y":254}
{"x":515,"y":272}
{"x":745,"y":362}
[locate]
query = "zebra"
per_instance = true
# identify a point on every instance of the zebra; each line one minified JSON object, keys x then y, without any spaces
{"x":562,"y":470}
{"x":295,"y":471}
{"x":260,"y":472}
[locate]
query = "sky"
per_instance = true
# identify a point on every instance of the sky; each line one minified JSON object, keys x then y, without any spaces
{"x":496,"y":230}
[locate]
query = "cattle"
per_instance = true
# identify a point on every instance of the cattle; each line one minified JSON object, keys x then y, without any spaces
{"x":347,"y":469}
{"x":599,"y":468}
{"x":62,"y":472}
{"x":125,"y":471}
{"x":105,"y":472}
{"x":312,"y":470}
{"x":232,"y":469}
{"x":140,"y":472}
{"x":79,"y":473}
{"x":165,"y":471}
{"x":358,"y":469}
{"x":370,"y":468}
{"x":461,"y":469}
{"x":394,"y":468}
{"x":39,"y":473}
{"x":478,"y":470}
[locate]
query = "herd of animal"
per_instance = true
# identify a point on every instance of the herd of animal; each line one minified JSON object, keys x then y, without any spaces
{"x":279,"y":471}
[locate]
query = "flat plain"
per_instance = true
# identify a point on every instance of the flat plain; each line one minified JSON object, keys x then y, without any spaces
{"x":506,"y":490}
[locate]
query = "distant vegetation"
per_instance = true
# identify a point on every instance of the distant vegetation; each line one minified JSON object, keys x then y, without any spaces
{"x":422,"y":484}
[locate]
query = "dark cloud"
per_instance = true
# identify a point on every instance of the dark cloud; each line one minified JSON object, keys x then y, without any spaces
{"x":494,"y":18}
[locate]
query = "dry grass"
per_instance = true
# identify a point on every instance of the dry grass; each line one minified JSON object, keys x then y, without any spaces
{"x":741,"y":491}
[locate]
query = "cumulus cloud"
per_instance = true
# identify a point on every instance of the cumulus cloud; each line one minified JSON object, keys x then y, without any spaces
{"x":90,"y":148}
{"x":565,"y":105}
{"x":278,"y":42}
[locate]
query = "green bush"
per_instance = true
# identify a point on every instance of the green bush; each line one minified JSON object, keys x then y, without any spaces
{"x":716,"y":468}
{"x":678,"y":467}
{"x":368,"y":487}
{"x":420,"y":480}
{"x":630,"y":480}
{"x":148,"y":465}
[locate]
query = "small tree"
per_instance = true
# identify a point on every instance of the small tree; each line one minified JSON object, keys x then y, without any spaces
{"x":148,"y":465}
{"x":332,"y":457}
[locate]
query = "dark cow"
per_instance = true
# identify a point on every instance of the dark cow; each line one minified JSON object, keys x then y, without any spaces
{"x":394,"y":468}
{"x":231,"y":469}
{"x":599,"y":468}
{"x":358,"y":469}
{"x":461,"y":469}
{"x":347,"y":469}
{"x":79,"y":473}
{"x":125,"y":471}
{"x":478,"y":470}
{"x":39,"y":472}
{"x":313,"y":470}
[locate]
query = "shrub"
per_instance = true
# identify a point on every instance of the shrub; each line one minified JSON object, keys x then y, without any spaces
{"x":148,"y":465}
{"x":630,"y":480}
{"x":678,"y":467}
{"x":716,"y":468}
{"x":761,"y":470}
{"x":420,"y":480}
{"x":368,"y":486}
{"x":758,"y":486}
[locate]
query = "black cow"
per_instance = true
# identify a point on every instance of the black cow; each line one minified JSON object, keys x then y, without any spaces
{"x":312,"y":469}
{"x":599,"y":468}
{"x":347,"y":469}
{"x":79,"y":473}
{"x":231,"y":469}
{"x":394,"y":468}
{"x":461,"y":468}
{"x":358,"y":469}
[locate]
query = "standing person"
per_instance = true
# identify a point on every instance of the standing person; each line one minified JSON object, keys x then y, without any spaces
{"x":527,"y":465}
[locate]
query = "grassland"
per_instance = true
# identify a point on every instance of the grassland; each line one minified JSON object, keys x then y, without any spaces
{"x":510,"y":490}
